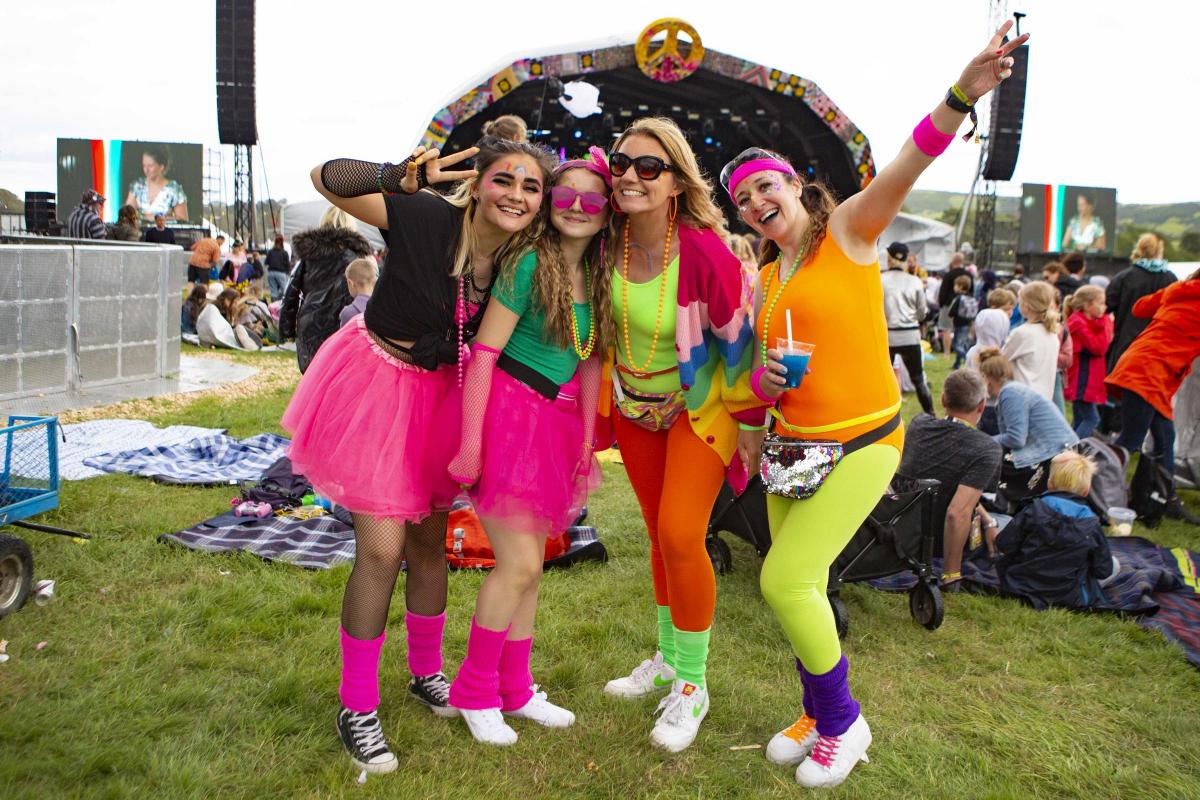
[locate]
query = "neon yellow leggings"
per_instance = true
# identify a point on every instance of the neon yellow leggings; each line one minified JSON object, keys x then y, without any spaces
{"x":806,"y":537}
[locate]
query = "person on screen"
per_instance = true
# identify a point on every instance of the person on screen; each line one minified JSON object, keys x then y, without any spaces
{"x":154,"y":193}
{"x":1085,"y":232}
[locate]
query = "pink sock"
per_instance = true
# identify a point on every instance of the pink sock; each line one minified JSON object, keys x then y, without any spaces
{"x":360,"y":672}
{"x":477,"y":685}
{"x":424,"y":642}
{"x":516,"y":681}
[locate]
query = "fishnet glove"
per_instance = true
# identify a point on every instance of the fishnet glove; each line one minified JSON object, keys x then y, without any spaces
{"x":477,"y":385}
{"x":589,"y":400}
{"x":349,"y":177}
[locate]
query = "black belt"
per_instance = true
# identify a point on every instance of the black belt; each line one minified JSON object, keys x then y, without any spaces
{"x":529,"y":376}
{"x":872,"y":436}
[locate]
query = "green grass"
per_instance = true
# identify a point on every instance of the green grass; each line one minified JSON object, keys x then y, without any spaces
{"x":175,"y":674}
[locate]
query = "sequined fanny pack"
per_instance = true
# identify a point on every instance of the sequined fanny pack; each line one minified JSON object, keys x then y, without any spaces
{"x":796,"y":468}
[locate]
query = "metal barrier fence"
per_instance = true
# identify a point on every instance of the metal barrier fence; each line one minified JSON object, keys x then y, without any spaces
{"x":76,"y":316}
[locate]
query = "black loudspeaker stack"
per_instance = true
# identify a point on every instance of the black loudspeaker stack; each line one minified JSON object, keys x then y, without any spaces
{"x":236,"y":120}
{"x":41,"y":214}
{"x":1008,"y":114}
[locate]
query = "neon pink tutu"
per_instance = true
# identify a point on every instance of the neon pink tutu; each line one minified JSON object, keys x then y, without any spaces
{"x":531,"y":456}
{"x":373,"y":433}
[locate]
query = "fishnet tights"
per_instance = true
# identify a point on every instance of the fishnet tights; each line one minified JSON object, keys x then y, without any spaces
{"x":380,"y":546}
{"x":349,"y":177}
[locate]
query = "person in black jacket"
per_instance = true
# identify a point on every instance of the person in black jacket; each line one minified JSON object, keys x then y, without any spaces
{"x":1053,"y":552}
{"x":1147,"y":273}
{"x":279,"y":265}
{"x":317,"y":292}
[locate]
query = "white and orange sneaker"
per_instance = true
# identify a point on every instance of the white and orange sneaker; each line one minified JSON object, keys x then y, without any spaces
{"x":793,"y":744}
{"x":833,"y":757}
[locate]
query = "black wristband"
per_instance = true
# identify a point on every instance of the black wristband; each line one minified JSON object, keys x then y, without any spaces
{"x":958,"y":103}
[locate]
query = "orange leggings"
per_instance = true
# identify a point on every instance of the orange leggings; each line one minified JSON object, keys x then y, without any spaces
{"x":676,"y":478}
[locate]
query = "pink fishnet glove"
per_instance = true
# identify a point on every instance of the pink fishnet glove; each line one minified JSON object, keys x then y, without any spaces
{"x":477,"y":385}
{"x":589,"y":399}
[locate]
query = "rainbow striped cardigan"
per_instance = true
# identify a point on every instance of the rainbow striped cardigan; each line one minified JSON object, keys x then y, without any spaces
{"x":714,"y":346}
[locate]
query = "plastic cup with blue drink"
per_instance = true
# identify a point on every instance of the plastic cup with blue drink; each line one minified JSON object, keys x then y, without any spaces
{"x":794,"y":356}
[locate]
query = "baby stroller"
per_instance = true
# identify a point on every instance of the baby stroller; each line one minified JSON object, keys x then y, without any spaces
{"x":899,"y":535}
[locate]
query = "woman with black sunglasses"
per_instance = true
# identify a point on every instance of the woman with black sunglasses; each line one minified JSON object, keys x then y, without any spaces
{"x":681,"y":303}
{"x":529,"y":403}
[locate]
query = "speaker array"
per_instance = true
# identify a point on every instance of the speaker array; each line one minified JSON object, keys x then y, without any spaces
{"x":236,"y":120}
{"x":1008,"y":114}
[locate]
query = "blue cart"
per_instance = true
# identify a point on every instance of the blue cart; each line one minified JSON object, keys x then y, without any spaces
{"x":28,"y":485}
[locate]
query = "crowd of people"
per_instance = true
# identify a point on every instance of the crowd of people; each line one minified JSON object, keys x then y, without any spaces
{"x":1119,"y":357}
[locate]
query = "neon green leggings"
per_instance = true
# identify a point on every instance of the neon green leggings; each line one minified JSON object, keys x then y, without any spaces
{"x":806,"y":537}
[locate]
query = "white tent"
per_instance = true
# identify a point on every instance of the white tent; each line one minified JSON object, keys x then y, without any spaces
{"x":298,"y":217}
{"x":931,"y":241}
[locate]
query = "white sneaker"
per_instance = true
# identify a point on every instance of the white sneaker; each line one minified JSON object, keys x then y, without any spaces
{"x":682,"y":712}
{"x":833,"y":757}
{"x":792,"y":745}
{"x":543,"y":712}
{"x":488,"y":726}
{"x":648,"y":677}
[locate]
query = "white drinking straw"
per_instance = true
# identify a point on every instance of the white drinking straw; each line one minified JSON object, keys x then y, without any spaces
{"x":788,"y":316}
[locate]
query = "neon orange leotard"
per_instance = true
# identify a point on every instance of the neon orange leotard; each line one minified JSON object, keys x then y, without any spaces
{"x":837,"y":305}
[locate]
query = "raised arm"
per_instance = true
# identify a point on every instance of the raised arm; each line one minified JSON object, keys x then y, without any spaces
{"x":859,"y":221}
{"x":358,"y":187}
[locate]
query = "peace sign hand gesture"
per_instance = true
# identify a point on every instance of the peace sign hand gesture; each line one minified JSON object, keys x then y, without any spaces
{"x":435,"y":167}
{"x":993,"y":65}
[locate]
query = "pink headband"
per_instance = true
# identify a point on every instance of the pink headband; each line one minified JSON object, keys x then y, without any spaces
{"x":758,"y":165}
{"x":597,"y":164}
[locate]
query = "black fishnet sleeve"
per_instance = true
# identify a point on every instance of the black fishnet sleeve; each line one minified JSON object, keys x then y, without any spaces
{"x":349,"y":177}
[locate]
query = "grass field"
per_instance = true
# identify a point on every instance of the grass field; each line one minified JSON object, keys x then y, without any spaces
{"x":174,"y":674}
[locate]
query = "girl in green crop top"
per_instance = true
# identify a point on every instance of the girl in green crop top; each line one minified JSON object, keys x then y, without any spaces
{"x":529,"y":405}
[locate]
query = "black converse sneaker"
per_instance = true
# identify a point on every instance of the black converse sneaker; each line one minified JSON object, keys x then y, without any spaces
{"x":433,"y":691}
{"x":362,"y":737}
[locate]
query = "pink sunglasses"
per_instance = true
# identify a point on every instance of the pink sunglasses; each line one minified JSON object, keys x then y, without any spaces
{"x":591,"y":202}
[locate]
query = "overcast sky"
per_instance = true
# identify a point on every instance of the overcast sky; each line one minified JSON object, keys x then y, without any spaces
{"x":1111,"y":99}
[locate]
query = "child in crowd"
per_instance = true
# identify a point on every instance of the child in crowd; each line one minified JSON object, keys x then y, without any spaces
{"x":963,"y":310}
{"x":1091,"y":334}
{"x":237,"y":268}
{"x":992,"y":324}
{"x":1032,"y":347}
{"x":361,"y":274}
{"x":1053,"y":552}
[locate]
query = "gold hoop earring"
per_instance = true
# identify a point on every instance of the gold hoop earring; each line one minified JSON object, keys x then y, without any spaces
{"x":674,"y":212}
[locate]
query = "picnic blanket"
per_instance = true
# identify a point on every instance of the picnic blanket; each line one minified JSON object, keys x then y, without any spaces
{"x":207,"y":460}
{"x":105,"y":437}
{"x":323,"y":542}
{"x":1159,"y":586}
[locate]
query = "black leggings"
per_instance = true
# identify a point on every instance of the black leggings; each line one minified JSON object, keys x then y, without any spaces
{"x":913,"y":360}
{"x":1139,"y":418}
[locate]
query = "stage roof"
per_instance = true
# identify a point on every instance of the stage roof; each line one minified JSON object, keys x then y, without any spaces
{"x":726,"y":105}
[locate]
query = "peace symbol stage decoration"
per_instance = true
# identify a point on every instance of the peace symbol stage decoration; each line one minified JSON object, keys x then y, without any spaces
{"x":667,"y":64}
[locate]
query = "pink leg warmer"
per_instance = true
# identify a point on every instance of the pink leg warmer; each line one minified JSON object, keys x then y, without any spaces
{"x":424,"y":642}
{"x":360,"y":672}
{"x":516,"y":681}
{"x":477,"y":685}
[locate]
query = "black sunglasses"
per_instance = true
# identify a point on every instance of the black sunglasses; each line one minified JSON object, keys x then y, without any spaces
{"x":647,"y":168}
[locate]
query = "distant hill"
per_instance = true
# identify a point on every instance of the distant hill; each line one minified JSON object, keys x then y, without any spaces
{"x":10,"y":203}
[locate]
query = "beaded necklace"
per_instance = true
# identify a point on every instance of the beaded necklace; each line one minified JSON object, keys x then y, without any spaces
{"x":584,"y":352}
{"x":783,"y":282}
{"x":662,"y":294}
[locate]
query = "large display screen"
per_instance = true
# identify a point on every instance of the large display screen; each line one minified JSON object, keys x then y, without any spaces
{"x":154,"y":177}
{"x":1064,"y":219}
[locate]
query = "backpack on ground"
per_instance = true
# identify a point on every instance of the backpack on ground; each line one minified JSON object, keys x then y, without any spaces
{"x":1108,"y":484}
{"x":1150,"y":490}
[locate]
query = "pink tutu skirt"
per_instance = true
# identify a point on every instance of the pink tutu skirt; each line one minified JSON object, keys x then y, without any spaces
{"x":373,"y":433}
{"x":532,"y":453}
